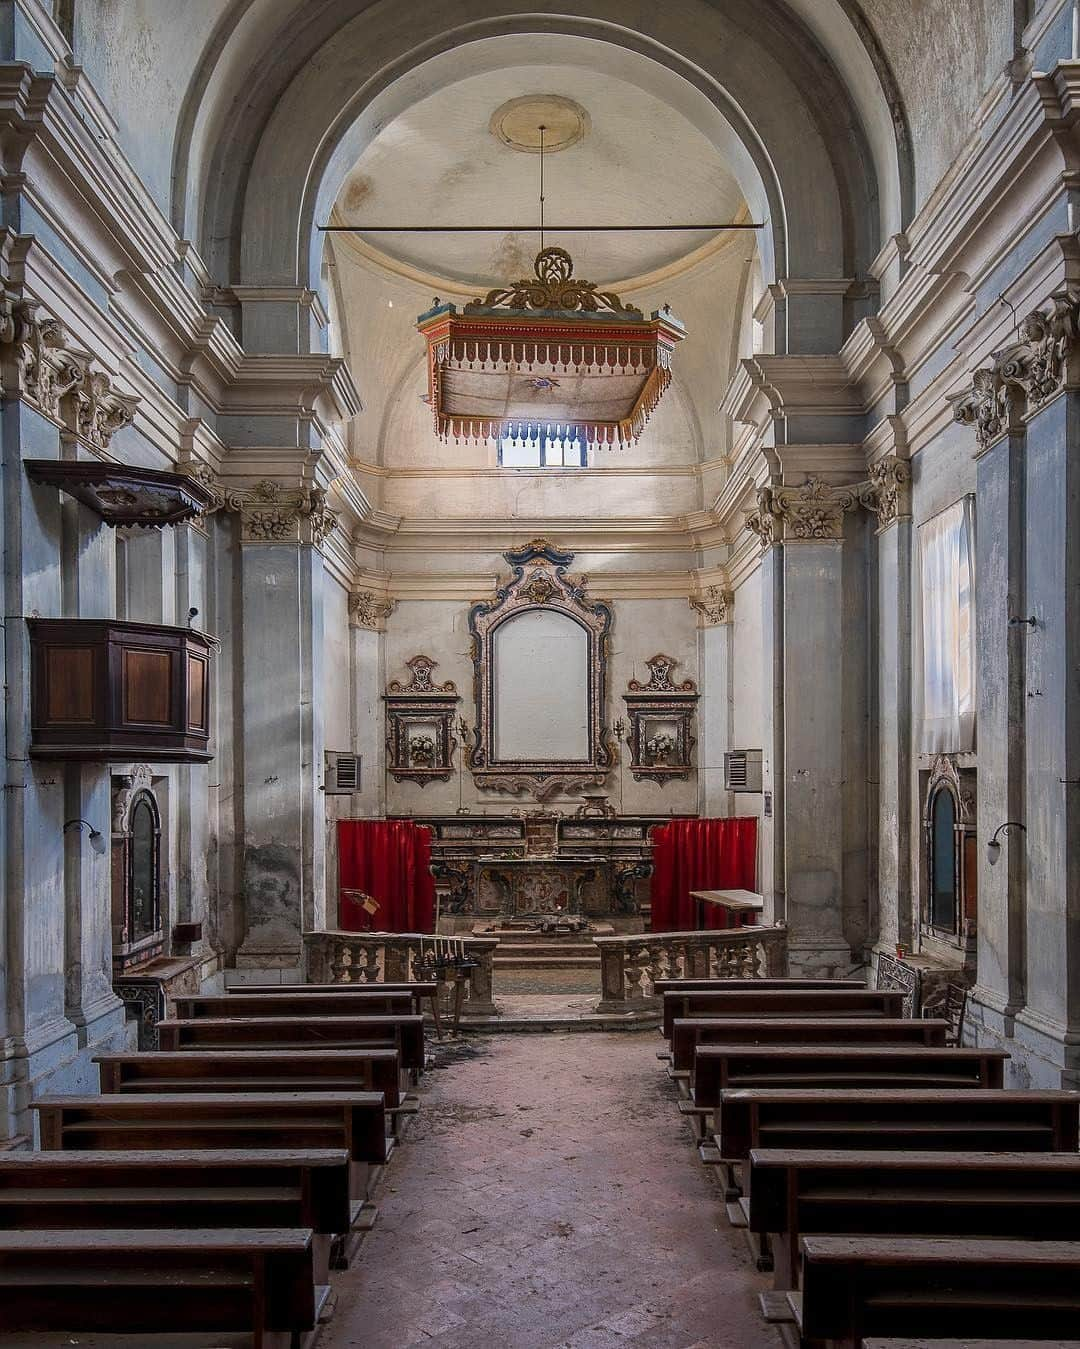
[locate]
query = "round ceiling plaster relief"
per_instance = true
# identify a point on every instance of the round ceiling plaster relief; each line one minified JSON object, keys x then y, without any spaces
{"x":517,"y":123}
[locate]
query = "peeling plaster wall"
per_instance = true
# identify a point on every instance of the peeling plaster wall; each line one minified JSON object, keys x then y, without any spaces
{"x":945,"y":54}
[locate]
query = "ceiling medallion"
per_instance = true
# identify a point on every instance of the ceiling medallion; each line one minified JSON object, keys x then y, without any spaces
{"x":517,"y":123}
{"x":548,"y":351}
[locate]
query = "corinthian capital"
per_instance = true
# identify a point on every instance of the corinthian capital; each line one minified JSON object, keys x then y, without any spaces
{"x":887,"y":491}
{"x":1025,"y":374}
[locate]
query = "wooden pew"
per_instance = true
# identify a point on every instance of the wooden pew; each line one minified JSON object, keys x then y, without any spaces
{"x":719,"y":1067}
{"x":234,"y":1070}
{"x":662,"y":986}
{"x":794,"y":1193}
{"x":855,"y":1287}
{"x":405,"y":1033}
{"x":159,"y":1283}
{"x":929,"y":1120}
{"x":287,"y":1003}
{"x":360,"y":1069}
{"x":355,"y":1121}
{"x":418,"y":992}
{"x":43,"y":1191}
{"x":851,"y":1001}
{"x":968,"y":1343}
{"x":687,"y":1035}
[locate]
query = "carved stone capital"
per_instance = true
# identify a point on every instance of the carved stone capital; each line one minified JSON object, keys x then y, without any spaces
{"x":887,"y":491}
{"x":814,"y":510}
{"x":1025,"y":374}
{"x":368,"y":610}
{"x":713,"y":606}
{"x":270,"y":513}
{"x":43,"y":366}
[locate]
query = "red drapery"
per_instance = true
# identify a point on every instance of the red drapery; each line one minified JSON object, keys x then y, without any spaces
{"x":699,"y":855}
{"x":390,"y":860}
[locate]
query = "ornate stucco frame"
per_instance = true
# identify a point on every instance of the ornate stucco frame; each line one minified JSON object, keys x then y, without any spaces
{"x":539,"y":580}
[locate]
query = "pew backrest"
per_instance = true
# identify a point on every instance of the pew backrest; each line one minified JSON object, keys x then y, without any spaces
{"x":207,"y":1281}
{"x":287,"y":1003}
{"x":687,"y":1034}
{"x":1029,"y":1121}
{"x":781,"y":1001}
{"x":406,"y":1033}
{"x":358,"y":1069}
{"x":858,"y":1067}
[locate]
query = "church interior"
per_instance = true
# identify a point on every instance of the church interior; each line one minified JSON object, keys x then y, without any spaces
{"x":542,"y":724}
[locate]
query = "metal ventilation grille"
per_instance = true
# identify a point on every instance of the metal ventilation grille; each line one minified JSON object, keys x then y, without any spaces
{"x":742,"y":770}
{"x":342,"y":776}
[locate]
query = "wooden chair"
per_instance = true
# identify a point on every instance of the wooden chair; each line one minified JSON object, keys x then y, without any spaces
{"x":952,"y":1009}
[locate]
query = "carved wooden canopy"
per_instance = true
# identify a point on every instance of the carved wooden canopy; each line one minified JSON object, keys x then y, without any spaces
{"x":548,"y":351}
{"x":539,"y":581}
{"x":125,"y":496}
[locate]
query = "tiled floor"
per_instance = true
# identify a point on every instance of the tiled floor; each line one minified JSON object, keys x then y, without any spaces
{"x":548,"y":1195}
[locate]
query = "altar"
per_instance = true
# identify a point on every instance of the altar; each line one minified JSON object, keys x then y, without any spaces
{"x":518,"y":887}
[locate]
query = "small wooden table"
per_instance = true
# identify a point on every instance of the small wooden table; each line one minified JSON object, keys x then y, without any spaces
{"x":739,"y":902}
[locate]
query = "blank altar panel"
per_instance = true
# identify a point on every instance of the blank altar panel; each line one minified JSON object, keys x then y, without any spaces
{"x":541,"y":688}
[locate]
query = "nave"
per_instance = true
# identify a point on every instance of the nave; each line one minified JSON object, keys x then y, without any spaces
{"x":550,"y":1197}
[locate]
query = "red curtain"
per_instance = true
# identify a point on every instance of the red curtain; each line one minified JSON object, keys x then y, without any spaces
{"x":699,"y":855}
{"x":390,"y":860}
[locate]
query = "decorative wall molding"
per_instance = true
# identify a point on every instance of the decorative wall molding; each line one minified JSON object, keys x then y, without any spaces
{"x":269,"y":511}
{"x":419,"y":725}
{"x":43,"y":366}
{"x":539,"y":580}
{"x":661,"y":714}
{"x":1026,"y":374}
{"x":715,"y":605}
{"x":368,"y":610}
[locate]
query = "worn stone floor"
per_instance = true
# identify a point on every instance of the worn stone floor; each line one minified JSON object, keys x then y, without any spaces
{"x":548,"y":1197}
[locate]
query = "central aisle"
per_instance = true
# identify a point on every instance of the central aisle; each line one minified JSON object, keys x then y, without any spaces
{"x":548,"y":1195}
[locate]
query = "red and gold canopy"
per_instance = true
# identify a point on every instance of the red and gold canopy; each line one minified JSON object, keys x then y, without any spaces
{"x":547,"y":353}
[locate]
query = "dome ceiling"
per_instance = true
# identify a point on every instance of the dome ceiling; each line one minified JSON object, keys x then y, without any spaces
{"x":455,"y":158}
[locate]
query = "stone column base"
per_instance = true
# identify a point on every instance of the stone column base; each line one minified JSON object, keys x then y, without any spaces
{"x":819,"y":960}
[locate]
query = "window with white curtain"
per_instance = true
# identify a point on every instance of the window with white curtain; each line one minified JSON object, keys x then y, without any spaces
{"x":946,"y":585}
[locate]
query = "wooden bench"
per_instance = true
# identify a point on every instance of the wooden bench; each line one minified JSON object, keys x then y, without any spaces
{"x":134,"y":1285}
{"x":226,"y":1070}
{"x":797,"y":1192}
{"x":419,"y":992}
{"x":719,"y":1067}
{"x":993,"y":1120}
{"x":44,"y":1191}
{"x":692,"y":1032}
{"x":784,"y":1002}
{"x":968,"y":1343}
{"x":855,"y":1287}
{"x":355,"y":1121}
{"x":404,"y":1033}
{"x":662,"y":986}
{"x":292,"y":1004}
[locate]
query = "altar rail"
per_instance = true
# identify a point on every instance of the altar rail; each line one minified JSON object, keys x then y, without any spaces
{"x":630,"y":966}
{"x":380,"y":958}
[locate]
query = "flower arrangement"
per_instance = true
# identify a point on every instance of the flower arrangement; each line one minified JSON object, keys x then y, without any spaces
{"x":660,"y":747}
{"x":422,"y":751}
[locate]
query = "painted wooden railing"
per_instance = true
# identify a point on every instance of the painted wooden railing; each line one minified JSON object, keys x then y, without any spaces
{"x":379,"y":958}
{"x":630,"y":966}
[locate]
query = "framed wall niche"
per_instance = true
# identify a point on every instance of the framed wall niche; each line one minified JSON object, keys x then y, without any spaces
{"x":419,"y":725}
{"x":661,"y":716}
{"x":949,"y":908}
{"x":138,"y":920}
{"x":540,"y":680}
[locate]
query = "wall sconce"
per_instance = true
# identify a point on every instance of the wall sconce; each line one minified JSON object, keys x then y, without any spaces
{"x":617,"y":728}
{"x":993,"y":848}
{"x":97,"y":838}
